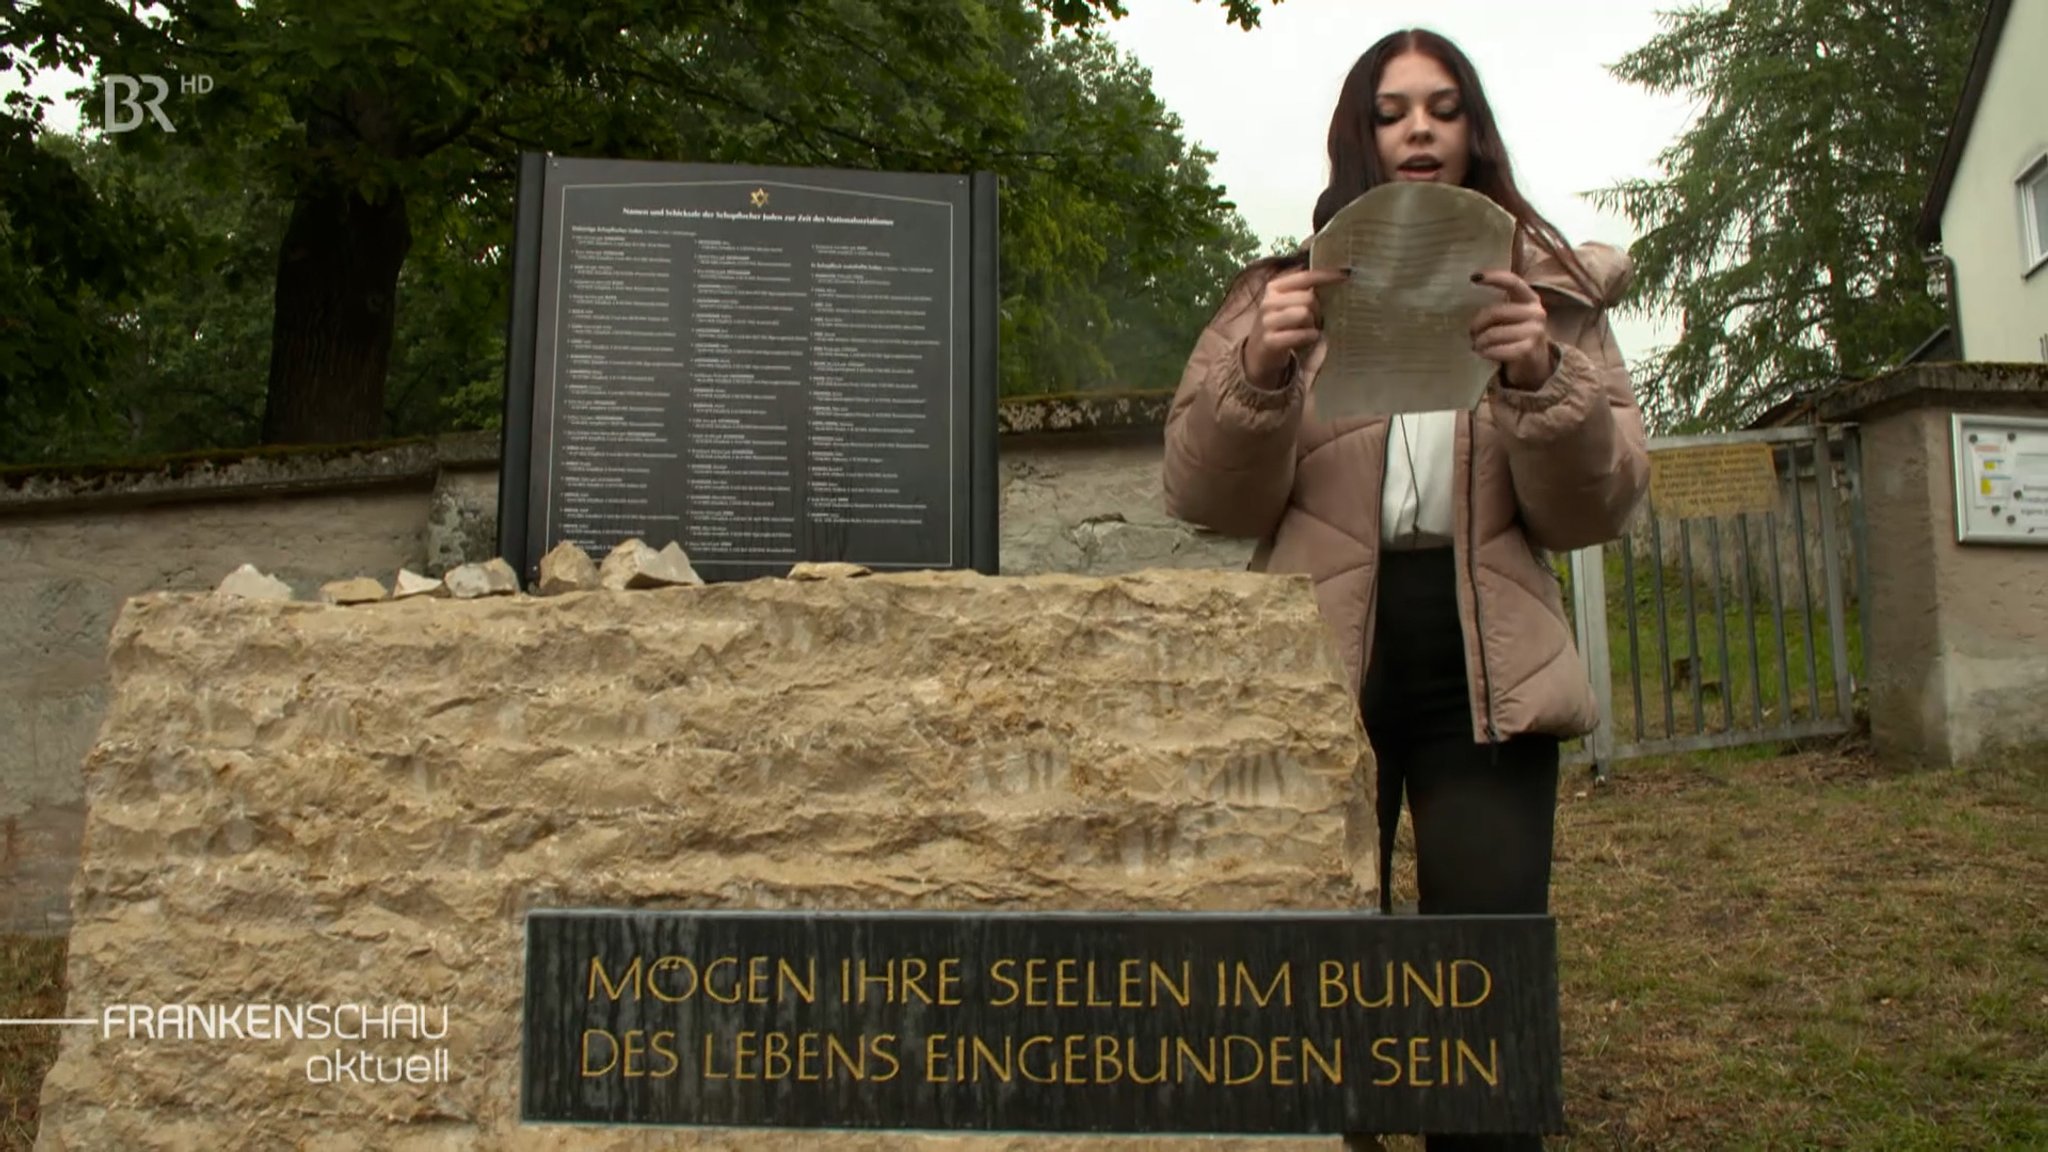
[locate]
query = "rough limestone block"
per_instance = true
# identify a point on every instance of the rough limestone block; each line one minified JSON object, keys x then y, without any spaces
{"x":247,"y":583}
{"x":292,"y":804}
{"x":361,"y":590}
{"x":567,"y":568}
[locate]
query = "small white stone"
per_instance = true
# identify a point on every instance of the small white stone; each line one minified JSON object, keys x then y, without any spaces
{"x":361,"y":590}
{"x":248,"y":583}
{"x":622,"y":563}
{"x":503,"y":579}
{"x":410,"y":583}
{"x":635,"y":565}
{"x":567,"y":568}
{"x":828,"y":570}
{"x":467,"y":582}
{"x":670,"y":566}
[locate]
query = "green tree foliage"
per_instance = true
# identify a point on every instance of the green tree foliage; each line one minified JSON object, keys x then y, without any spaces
{"x":1113,"y":256}
{"x":372,"y":145}
{"x":187,"y":351}
{"x":1781,"y":228}
{"x":70,"y":258}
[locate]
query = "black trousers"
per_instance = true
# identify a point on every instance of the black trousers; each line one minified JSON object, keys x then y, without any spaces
{"x":1484,"y":814}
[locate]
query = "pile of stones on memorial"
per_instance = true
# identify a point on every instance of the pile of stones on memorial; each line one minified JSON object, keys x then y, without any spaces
{"x":633,"y":564}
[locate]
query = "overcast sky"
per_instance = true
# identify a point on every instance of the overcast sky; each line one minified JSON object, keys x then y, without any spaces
{"x":1261,"y":100}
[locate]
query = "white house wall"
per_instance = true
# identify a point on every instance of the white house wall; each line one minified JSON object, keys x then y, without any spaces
{"x":2004,"y":311}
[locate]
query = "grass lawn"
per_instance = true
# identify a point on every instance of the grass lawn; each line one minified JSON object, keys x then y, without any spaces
{"x":1805,"y":951}
{"x":31,"y":986}
{"x":1801,"y":952}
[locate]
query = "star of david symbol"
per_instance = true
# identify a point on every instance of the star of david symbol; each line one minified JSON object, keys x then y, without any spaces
{"x":759,"y":197}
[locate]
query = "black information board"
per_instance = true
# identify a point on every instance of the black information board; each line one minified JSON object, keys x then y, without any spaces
{"x":765,"y":365}
{"x":1261,"y":1023}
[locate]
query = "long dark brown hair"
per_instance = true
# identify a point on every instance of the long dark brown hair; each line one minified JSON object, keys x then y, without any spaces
{"x":1355,"y":156}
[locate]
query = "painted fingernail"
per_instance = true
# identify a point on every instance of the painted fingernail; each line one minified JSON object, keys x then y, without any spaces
{"x":1477,"y":277}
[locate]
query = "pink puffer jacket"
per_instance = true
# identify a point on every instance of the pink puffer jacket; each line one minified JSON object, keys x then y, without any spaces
{"x":1557,"y":468}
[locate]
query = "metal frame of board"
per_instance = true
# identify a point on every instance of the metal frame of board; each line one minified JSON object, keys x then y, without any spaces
{"x":1961,"y":424}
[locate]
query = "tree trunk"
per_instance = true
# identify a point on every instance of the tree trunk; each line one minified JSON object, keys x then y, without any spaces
{"x":330,"y":337}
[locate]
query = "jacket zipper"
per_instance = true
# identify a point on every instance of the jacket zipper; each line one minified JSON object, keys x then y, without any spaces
{"x":1472,"y":576}
{"x":1372,"y":611}
{"x":1372,"y":588}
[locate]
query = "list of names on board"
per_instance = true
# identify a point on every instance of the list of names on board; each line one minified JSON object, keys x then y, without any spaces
{"x":762,"y":386}
{"x":618,"y":349}
{"x":873,"y":327}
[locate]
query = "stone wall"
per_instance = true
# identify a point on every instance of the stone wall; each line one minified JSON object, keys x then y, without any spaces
{"x":1902,"y":503}
{"x":1093,"y":504}
{"x":1080,"y":494}
{"x":67,"y":568}
{"x":1958,"y":633}
{"x":305,"y":804}
{"x":1960,"y":639}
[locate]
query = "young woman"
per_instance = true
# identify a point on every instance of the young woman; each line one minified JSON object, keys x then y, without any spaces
{"x":1427,"y":536}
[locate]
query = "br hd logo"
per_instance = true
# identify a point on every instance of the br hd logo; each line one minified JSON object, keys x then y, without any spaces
{"x":125,"y":106}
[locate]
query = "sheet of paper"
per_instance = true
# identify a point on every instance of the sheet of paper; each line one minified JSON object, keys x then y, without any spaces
{"x":1397,"y":334}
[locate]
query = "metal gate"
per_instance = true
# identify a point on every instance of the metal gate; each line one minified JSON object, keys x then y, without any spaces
{"x":1725,"y":619}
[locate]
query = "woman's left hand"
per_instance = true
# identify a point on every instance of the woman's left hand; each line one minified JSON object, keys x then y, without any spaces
{"x":1513,"y":333}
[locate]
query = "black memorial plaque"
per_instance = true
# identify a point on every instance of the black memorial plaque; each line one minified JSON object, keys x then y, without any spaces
{"x":765,"y":365}
{"x":1267,"y":1023}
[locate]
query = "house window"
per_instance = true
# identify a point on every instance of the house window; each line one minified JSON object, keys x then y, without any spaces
{"x":2033,"y":189}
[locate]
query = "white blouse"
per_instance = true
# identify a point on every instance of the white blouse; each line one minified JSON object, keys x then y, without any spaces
{"x":1415,"y":502}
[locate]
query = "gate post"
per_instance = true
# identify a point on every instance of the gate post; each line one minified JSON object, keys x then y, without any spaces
{"x":1859,"y":539}
{"x":1589,"y":619}
{"x":1831,"y":570}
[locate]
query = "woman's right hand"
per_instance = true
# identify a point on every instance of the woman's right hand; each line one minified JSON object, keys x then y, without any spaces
{"x":1287,"y":321}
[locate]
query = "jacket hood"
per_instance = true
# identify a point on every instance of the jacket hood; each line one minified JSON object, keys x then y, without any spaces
{"x":1609,"y":266}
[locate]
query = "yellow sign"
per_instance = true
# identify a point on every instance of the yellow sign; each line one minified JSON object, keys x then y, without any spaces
{"x":1713,"y":480}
